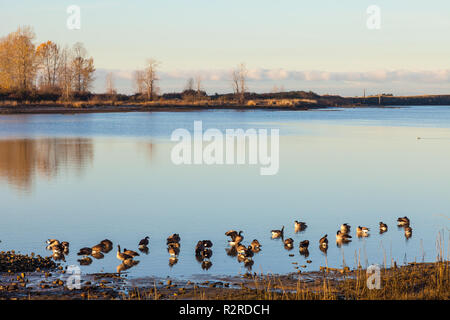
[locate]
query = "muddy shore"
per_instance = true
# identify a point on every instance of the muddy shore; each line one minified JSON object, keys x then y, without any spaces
{"x":54,"y":282}
{"x":62,"y":109}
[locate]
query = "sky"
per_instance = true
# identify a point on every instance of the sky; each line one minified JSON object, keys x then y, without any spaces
{"x":324,"y":46}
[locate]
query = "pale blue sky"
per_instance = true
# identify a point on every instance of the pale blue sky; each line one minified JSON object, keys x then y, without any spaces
{"x":277,"y":38}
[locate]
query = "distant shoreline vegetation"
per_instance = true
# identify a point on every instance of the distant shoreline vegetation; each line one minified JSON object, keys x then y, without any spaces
{"x":47,"y":77}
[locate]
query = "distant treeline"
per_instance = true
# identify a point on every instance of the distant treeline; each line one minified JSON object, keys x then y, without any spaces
{"x":47,"y":72}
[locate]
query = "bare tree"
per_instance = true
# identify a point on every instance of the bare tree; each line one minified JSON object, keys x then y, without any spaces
{"x":138,"y":78}
{"x":239,"y":79}
{"x":198,"y":82}
{"x":65,"y":74}
{"x":110,"y":89}
{"x":150,"y":78}
{"x":189,"y":85}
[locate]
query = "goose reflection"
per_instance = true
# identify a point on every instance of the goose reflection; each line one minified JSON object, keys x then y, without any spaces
{"x":144,"y":249}
{"x":173,"y":261}
{"x":126,"y":264}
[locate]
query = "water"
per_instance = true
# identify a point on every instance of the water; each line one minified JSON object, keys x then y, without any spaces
{"x":82,"y":178}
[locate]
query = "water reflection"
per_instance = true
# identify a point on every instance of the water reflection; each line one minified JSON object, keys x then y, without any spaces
{"x":22,"y":159}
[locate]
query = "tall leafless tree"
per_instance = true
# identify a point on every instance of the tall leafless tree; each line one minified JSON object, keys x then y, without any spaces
{"x":110,"y":88}
{"x":239,"y":79}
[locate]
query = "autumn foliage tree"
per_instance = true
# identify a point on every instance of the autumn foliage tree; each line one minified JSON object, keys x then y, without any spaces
{"x":25,"y":67}
{"x":18,"y":63}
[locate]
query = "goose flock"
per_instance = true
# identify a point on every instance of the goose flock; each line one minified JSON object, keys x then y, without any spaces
{"x":203,"y":251}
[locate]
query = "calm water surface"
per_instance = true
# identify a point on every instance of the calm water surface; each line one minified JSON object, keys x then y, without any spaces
{"x":83,"y":178}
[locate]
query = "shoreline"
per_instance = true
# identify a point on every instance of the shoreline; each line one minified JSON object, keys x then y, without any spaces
{"x":62,"y":109}
{"x":426,"y":280}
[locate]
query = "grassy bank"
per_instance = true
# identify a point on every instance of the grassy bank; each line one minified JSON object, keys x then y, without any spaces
{"x":413,"y":281}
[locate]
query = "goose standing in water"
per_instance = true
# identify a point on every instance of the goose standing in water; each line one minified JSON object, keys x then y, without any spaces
{"x":299,"y":226}
{"x":289,"y":244}
{"x":342,"y":237}
{"x":236,"y":238}
{"x":65,"y":246}
{"x":131,"y":253}
{"x":403,"y":221}
{"x":144,"y":243}
{"x":256,"y":246}
{"x":362,"y":231}
{"x":278,"y":233}
{"x":383,"y":227}
{"x":323,"y":242}
{"x":175,"y":238}
{"x":98,"y":248}
{"x":345,"y":228}
{"x":122,"y":256}
{"x":107,"y":245}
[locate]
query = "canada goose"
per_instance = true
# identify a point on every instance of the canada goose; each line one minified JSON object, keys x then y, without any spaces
{"x":84,"y":251}
{"x":85,"y":261}
{"x":342,"y":237}
{"x":383,"y":227}
{"x":97,"y":248}
{"x":256,"y":246}
{"x":174,"y":245}
{"x":199,"y":248}
{"x":241,"y":249}
{"x":277,"y":233}
{"x":65,"y":246}
{"x":52,"y":243}
{"x":345,"y":228}
{"x":58,"y":255}
{"x":175,"y":238}
{"x":236,"y":238}
{"x":362,"y":231}
{"x":323,"y":241}
{"x":207,"y":243}
{"x":289,"y":243}
{"x":403,"y":221}
{"x":408,"y":232}
{"x":107,"y":245}
{"x":131,"y":253}
{"x":57,"y":248}
{"x":122,"y":256}
{"x":144,"y":242}
{"x":299,"y":226}
{"x":304,"y":244}
{"x":207,"y":253}
{"x":324,"y":249}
